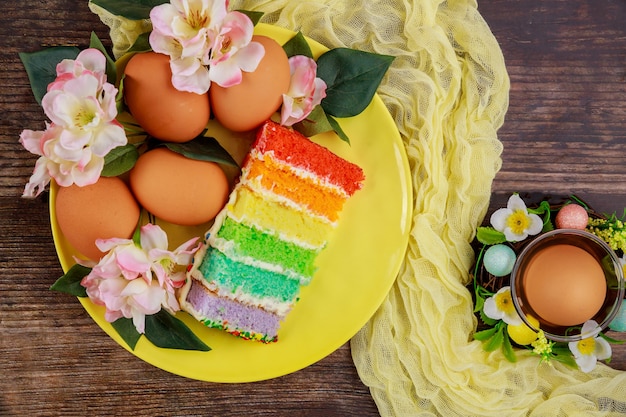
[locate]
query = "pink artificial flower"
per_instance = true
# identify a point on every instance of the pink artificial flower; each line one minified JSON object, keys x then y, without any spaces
{"x":205,"y":43}
{"x":234,"y":51}
{"x":185,"y":30}
{"x":67,"y":166}
{"x":123,"y":280}
{"x":154,"y":242}
{"x":89,"y":61}
{"x":83,"y":128}
{"x":305,"y":90}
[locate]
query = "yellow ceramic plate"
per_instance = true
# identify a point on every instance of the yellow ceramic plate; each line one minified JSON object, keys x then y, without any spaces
{"x":355,"y":271}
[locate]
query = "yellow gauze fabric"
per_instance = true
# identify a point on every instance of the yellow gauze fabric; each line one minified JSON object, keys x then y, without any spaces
{"x":448,"y":93}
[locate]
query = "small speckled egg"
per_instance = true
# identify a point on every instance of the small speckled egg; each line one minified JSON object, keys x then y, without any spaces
{"x":163,"y":111}
{"x":178,"y":189}
{"x":102,"y":210}
{"x":499,"y":260}
{"x":572,"y":216}
{"x":619,"y":322}
{"x":245,"y":106}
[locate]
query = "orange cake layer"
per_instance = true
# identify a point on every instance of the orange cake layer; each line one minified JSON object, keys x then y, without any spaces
{"x":280,"y":179}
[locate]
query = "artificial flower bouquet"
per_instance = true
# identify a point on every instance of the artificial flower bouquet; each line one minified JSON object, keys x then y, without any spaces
{"x":497,"y":248}
{"x":89,"y":135}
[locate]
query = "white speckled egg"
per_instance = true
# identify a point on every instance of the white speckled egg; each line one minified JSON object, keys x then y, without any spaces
{"x":499,"y":260}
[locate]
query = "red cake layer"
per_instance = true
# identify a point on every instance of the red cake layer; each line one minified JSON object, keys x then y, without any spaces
{"x":297,"y":150}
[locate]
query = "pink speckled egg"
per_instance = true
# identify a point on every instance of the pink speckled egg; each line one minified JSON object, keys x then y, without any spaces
{"x":572,"y":216}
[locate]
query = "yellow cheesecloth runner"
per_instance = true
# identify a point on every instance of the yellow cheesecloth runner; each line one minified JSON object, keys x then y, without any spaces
{"x":448,"y":93}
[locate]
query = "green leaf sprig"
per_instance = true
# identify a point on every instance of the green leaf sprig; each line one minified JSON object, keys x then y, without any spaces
{"x":162,"y":329}
{"x":497,"y":337}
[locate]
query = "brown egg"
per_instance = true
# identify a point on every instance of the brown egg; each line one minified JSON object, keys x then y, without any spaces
{"x":163,"y":111}
{"x":103,"y":210}
{"x":245,"y":106}
{"x":564,"y":285}
{"x":178,"y":189}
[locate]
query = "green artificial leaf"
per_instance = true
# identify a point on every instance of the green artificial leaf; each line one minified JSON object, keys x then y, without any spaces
{"x":319,"y":122}
{"x":487,"y":320}
{"x":254,"y":16}
{"x":611,"y":340}
{"x":315,"y":123}
{"x":130,"y":9}
{"x":120,"y":160}
{"x":166,"y":331}
{"x":137,"y":233}
{"x":141,"y":44}
{"x":485,"y":334}
{"x":120,"y":105}
{"x":352,"y":78}
{"x":543,"y":208}
{"x":127,"y":331}
{"x":298,"y":46}
{"x":495,"y":342}
{"x":547,"y":225}
{"x":204,"y":149}
{"x":564,"y":355}
{"x":480,"y":302}
{"x":41,"y":66}
{"x":489,"y":236}
{"x":507,"y":348}
{"x":483,"y":292}
{"x":581,"y":202}
{"x":69,"y":283}
{"x":111,"y":69}
{"x":338,"y":130}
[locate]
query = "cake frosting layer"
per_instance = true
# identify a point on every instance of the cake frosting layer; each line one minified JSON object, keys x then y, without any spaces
{"x":242,"y":320}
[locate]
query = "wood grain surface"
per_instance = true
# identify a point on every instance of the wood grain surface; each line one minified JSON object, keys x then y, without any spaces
{"x":564,"y":133}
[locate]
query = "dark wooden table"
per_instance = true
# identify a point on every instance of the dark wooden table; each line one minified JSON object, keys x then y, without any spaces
{"x":565,"y":132}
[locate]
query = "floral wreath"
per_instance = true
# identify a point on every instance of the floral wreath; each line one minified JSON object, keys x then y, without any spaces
{"x":502,"y":327}
{"x":85,"y":138}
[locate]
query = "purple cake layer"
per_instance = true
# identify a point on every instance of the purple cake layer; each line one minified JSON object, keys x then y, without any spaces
{"x":233,"y":317}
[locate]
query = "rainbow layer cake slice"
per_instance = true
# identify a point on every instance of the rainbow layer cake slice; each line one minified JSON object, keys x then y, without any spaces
{"x":263,"y":245}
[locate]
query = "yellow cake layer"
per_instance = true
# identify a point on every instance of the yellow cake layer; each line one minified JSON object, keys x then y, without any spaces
{"x":292,"y":225}
{"x":307,"y":191}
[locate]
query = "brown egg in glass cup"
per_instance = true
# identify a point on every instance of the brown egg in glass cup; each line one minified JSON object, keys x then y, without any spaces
{"x":564,"y":278}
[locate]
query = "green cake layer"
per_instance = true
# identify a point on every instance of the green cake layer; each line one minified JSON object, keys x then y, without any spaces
{"x":237,"y":277}
{"x":248,"y":241}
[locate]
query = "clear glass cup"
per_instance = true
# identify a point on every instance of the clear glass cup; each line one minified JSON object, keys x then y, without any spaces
{"x":599,"y":250}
